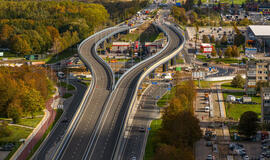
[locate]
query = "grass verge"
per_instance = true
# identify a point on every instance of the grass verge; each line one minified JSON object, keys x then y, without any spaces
{"x":151,"y":142}
{"x":69,"y":87}
{"x":206,"y":84}
{"x":65,"y":54}
{"x":17,"y":133}
{"x":67,"y":95}
{"x":31,"y":122}
{"x":228,"y":86}
{"x":218,"y":60}
{"x":163,"y":101}
{"x":58,"y":115}
{"x":235,"y":111}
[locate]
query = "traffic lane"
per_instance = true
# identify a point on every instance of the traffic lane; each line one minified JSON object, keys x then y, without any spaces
{"x":55,"y":136}
{"x":82,"y":134}
{"x":80,"y":138}
{"x":142,"y":119}
{"x":107,"y":138}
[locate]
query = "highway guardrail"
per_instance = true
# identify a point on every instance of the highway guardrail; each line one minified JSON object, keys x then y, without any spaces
{"x":120,"y":144}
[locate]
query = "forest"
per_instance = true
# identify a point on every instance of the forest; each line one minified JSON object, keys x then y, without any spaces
{"x":37,"y":27}
{"x":28,"y":27}
{"x":23,"y":91}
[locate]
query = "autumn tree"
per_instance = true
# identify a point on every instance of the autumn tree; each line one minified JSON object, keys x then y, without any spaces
{"x":205,"y":39}
{"x":20,"y":45}
{"x":214,"y":52}
{"x":212,"y":39}
{"x":176,"y":127}
{"x":32,"y":101}
{"x":228,"y":52}
{"x":6,"y":32}
{"x":235,"y":52}
{"x":224,"y":40}
{"x":165,"y":151}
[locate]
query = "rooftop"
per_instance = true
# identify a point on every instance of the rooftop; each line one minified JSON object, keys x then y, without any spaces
{"x":260,"y":30}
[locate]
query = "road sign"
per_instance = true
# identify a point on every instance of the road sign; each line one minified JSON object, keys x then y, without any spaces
{"x":149,"y":128}
{"x":1,"y":54}
{"x":250,"y":50}
{"x":140,"y":88}
{"x":158,"y":97}
{"x":154,"y":82}
{"x":169,"y":89}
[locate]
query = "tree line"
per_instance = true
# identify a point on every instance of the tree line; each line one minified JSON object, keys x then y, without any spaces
{"x":31,"y":27}
{"x":180,"y":128}
{"x":23,"y":91}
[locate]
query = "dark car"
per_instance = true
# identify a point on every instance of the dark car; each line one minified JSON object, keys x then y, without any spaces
{"x":205,"y":64}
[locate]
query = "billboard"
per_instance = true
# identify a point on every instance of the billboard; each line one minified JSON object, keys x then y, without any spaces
{"x":250,"y":50}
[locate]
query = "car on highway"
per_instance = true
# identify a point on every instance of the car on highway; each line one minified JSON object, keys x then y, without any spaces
{"x":141,"y":129}
{"x":210,"y":157}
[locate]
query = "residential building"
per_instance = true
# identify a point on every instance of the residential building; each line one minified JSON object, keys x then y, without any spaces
{"x":256,"y":71}
{"x":265,"y":104}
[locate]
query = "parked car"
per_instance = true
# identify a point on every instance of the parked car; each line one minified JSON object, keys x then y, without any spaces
{"x":210,"y":157}
{"x":246,"y":157}
{"x":206,"y":109}
{"x":209,"y":143}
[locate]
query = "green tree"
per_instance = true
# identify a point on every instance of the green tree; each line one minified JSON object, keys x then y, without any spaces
{"x":4,"y":130}
{"x":238,"y":81}
{"x":14,"y":110}
{"x":239,"y":39}
{"x":248,"y":124}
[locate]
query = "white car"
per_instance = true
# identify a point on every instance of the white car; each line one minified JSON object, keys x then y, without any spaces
{"x":246,"y":157}
{"x":207,"y":109}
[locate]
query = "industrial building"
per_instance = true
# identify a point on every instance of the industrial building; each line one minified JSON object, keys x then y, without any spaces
{"x":260,"y":35}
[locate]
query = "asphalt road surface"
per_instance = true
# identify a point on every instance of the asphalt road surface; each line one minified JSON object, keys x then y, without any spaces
{"x":147,"y":111}
{"x":80,"y":137}
{"x":47,"y":149}
{"x":105,"y":142}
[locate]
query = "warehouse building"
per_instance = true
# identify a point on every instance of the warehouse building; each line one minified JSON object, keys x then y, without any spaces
{"x":260,"y":34}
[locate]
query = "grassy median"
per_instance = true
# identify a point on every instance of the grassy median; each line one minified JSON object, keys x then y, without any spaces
{"x":151,"y":142}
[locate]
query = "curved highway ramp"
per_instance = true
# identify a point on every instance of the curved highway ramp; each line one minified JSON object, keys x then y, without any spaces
{"x":106,"y":143}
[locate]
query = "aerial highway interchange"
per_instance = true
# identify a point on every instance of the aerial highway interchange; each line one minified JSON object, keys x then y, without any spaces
{"x":96,"y":130}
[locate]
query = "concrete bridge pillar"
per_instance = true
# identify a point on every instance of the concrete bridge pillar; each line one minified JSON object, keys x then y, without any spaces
{"x":165,"y":67}
{"x":173,"y":61}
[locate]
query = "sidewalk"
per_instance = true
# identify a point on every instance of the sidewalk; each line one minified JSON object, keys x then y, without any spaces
{"x":25,"y":148}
